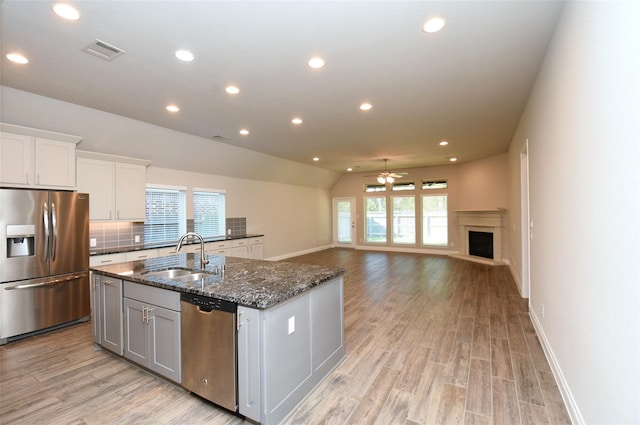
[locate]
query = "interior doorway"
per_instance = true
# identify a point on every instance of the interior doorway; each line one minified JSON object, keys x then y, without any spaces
{"x":344,"y":222}
{"x":525,"y":223}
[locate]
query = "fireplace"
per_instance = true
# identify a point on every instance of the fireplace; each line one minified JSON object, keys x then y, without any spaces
{"x":481,"y":244}
{"x":480,"y":235}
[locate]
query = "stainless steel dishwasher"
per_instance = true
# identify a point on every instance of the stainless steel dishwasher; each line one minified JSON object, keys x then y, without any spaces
{"x":209,"y":349}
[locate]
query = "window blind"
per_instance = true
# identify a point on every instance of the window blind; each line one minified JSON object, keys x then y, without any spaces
{"x":165,"y":215}
{"x":209,"y":213}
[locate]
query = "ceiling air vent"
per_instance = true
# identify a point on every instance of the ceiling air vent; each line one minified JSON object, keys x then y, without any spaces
{"x":103,"y":50}
{"x":219,"y":137}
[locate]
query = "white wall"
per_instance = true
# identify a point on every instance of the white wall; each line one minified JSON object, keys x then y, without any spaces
{"x":286,"y":201}
{"x":294,"y":219}
{"x":583,"y":129}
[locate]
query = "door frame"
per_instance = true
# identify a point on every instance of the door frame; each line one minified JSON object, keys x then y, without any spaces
{"x":525,"y":223}
{"x":354,"y":227}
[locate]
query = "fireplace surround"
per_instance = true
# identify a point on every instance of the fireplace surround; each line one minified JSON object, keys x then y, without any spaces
{"x":482,"y":222}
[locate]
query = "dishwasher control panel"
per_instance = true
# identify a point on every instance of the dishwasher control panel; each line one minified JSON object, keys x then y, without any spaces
{"x":207,"y":303}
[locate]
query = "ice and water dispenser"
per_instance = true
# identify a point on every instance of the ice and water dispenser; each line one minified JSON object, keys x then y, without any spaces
{"x":21,"y":240}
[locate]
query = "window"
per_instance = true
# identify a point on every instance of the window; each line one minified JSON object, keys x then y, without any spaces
{"x":375,"y":187}
{"x":165,"y":214}
{"x":404,"y":219}
{"x":209,"y":212}
{"x":434,"y":220}
{"x":376,"y":219}
{"x":403,"y":186}
{"x":434,"y":184}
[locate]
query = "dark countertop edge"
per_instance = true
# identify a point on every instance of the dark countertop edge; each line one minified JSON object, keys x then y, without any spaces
{"x":133,"y":248}
{"x":263,"y":304}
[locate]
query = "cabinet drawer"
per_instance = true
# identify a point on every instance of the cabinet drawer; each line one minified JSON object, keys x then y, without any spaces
{"x":102,"y":260}
{"x":141,"y":255}
{"x":255,"y":241}
{"x":152,"y":295}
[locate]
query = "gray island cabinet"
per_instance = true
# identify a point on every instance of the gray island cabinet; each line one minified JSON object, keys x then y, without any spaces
{"x":290,"y":323}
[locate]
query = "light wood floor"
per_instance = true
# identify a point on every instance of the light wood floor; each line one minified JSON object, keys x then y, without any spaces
{"x":429,"y":340}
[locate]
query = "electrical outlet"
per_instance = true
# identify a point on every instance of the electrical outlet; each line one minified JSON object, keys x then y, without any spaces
{"x":93,"y":242}
{"x":292,"y":324}
{"x":136,"y":238}
{"x":542,"y":310}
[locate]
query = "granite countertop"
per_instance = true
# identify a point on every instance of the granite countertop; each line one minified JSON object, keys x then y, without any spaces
{"x":252,"y":283}
{"x":140,"y":247}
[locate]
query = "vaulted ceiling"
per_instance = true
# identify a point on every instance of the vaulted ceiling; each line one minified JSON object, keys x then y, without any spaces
{"x":466,"y":84}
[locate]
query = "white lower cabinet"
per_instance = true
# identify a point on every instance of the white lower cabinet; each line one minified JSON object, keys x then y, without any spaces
{"x":248,"y":248}
{"x":103,"y":260}
{"x":152,"y":329}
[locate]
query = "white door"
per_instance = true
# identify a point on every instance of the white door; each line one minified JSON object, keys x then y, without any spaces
{"x":344,"y":222}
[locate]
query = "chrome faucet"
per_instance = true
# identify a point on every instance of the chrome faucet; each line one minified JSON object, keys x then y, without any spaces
{"x":203,"y":260}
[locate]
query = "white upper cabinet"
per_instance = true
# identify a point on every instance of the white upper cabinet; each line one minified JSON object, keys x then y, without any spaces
{"x":37,"y":158}
{"x":116,"y":186}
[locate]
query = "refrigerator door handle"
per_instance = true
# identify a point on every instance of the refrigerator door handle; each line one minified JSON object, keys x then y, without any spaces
{"x":45,"y":217}
{"x":54,"y":231}
{"x":36,"y":283}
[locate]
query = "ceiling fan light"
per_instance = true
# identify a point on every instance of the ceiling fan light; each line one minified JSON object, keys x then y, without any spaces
{"x":390,"y":179}
{"x":381,"y":180}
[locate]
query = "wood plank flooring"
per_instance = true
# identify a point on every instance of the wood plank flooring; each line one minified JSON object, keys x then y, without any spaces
{"x":428,"y":339}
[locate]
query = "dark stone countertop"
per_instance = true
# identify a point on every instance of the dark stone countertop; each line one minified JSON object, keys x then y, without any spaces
{"x":252,"y":283}
{"x":140,"y":247}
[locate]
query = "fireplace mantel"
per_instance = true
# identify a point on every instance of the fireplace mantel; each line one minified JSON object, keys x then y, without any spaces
{"x":481,"y":220}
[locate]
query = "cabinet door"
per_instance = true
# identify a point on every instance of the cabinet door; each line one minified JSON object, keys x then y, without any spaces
{"x":164,"y":343}
{"x":96,"y":322}
{"x":16,"y":159}
{"x":130,"y":191}
{"x":255,"y":251}
{"x":111,"y":313}
{"x":96,"y":178}
{"x":239,"y":251}
{"x":136,"y":332}
{"x":55,"y":163}
{"x":249,"y":355}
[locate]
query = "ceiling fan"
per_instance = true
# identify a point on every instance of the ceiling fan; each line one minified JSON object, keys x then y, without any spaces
{"x":387,"y":176}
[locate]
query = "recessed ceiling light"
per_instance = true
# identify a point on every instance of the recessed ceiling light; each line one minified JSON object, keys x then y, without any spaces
{"x":316,"y":62}
{"x":434,"y":25}
{"x":315,"y":158}
{"x":453,"y":159}
{"x":17,"y":58}
{"x":66,"y":11}
{"x":297,"y":121}
{"x":184,"y":55}
{"x":444,"y":143}
{"x":366,"y":106}
{"x":232,"y":90}
{"x":172,"y":108}
{"x":244,"y":131}
{"x":349,"y":169}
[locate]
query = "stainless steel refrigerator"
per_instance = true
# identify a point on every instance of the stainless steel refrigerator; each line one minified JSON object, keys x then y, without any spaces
{"x":44,"y":260}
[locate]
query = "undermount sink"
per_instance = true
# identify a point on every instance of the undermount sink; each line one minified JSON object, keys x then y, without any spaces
{"x":169,"y":274}
{"x":193,"y":277}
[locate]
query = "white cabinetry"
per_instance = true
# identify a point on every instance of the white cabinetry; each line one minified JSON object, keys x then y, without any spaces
{"x":37,"y":158}
{"x":116,"y":186}
{"x":152,"y":329}
{"x":103,"y":260}
{"x":218,"y":248}
{"x":141,"y":254}
{"x":248,"y":248}
{"x":107,"y":312}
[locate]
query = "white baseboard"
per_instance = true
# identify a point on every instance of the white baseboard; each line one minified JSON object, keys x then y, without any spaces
{"x":516,"y":279}
{"x":405,"y":249}
{"x":565,"y":392}
{"x":297,"y":253}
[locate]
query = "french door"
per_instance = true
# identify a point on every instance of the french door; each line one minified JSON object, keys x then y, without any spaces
{"x":344,"y":222}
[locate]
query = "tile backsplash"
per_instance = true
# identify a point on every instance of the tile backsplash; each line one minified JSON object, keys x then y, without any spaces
{"x":124,"y":234}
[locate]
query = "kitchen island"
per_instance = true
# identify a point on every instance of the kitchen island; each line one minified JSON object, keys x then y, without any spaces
{"x":290,"y":322}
